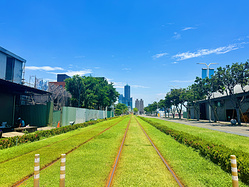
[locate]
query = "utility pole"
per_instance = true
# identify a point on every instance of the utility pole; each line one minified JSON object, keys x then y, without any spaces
{"x":209,"y":107}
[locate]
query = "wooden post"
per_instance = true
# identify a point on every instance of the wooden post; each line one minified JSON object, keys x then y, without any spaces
{"x":37,"y":170}
{"x":235,"y":179}
{"x":62,"y":170}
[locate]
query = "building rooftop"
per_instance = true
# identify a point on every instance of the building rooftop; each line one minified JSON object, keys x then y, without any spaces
{"x":5,"y":51}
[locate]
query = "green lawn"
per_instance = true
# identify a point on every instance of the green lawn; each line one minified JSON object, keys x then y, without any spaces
{"x":22,"y":149}
{"x":90,"y":164}
{"x":232,"y":141}
{"x":21,"y":166}
{"x":189,"y":166}
{"x":140,"y":164}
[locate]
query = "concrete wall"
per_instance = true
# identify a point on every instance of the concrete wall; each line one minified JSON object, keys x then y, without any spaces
{"x":2,"y":65}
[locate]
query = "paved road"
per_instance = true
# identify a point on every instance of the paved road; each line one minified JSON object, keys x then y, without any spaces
{"x":223,"y":127}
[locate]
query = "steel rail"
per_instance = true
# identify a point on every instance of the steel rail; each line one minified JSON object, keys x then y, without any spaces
{"x":18,"y":183}
{"x":111,"y":175}
{"x":162,"y":158}
{"x":79,"y":134}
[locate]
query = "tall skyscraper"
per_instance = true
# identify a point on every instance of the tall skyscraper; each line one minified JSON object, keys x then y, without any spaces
{"x":126,"y":99}
{"x":139,"y":104}
{"x":127,"y":91}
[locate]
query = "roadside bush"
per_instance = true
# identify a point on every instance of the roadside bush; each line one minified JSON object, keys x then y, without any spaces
{"x":218,"y":154}
{"x":10,"y":142}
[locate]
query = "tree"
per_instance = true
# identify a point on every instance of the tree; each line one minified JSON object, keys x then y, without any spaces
{"x":91,"y":92}
{"x":76,"y":87}
{"x":120,"y":108}
{"x":207,"y":87}
{"x":230,"y":77}
{"x":151,"y":108}
{"x":135,"y":110}
{"x":177,"y":98}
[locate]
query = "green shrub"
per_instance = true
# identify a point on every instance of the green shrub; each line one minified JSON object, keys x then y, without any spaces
{"x":10,"y":142}
{"x":218,"y":154}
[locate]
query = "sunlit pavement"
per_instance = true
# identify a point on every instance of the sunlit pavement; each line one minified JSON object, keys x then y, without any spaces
{"x":220,"y":126}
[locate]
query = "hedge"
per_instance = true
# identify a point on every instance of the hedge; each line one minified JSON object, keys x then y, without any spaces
{"x":11,"y":141}
{"x":218,"y":154}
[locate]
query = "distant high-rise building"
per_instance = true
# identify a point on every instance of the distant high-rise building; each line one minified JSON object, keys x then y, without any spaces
{"x":204,"y":73}
{"x":126,"y":99}
{"x":127,"y":91}
{"x":62,"y":77}
{"x":139,"y":104}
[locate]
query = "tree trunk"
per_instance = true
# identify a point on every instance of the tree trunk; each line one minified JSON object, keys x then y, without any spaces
{"x":238,"y":116}
{"x":179,"y":113}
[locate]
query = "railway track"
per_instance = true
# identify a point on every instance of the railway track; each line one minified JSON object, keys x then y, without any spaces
{"x":19,"y":182}
{"x":35,"y":150}
{"x":112,"y":173}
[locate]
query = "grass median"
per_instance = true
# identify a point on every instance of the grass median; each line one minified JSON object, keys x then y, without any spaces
{"x":90,"y":164}
{"x":232,"y":141}
{"x":189,"y":166}
{"x":140,"y":164}
{"x":19,"y":167}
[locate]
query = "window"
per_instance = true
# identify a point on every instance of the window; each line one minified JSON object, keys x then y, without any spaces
{"x":10,"y":68}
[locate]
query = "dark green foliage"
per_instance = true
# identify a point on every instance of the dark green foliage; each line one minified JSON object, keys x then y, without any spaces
{"x":151,"y":108}
{"x":10,"y":142}
{"x":218,"y":154}
{"x":91,"y":92}
{"x":121,"y":108}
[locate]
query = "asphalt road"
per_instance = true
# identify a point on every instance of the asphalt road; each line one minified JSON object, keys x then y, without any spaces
{"x":222,"y":127}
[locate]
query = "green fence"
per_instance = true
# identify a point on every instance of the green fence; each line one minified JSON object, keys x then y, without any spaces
{"x":43,"y":115}
{"x":56,"y":118}
{"x":37,"y":115}
{"x":81,"y":115}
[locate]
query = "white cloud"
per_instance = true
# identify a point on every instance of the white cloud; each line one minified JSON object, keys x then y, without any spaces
{"x":159,"y":55}
{"x":122,"y":84}
{"x":188,"y":28}
{"x":177,"y":36}
{"x":179,"y":81}
{"x":203,"y":52}
{"x":138,"y":86}
{"x":119,"y":84}
{"x":71,"y":73}
{"x":174,"y":62}
{"x":44,"y":68}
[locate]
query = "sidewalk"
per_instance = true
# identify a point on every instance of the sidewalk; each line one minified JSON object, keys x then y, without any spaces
{"x":13,"y":134}
{"x":220,"y":126}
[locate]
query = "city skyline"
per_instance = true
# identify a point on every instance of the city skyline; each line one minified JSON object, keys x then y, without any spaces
{"x":153,"y":46}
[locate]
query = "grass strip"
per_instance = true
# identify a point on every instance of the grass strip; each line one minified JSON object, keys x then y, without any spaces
{"x":189,"y":165}
{"x":10,"y":142}
{"x":233,"y":141}
{"x":139,"y":164}
{"x":15,"y":169}
{"x":218,"y":154}
{"x":7,"y":154}
{"x":90,"y":164}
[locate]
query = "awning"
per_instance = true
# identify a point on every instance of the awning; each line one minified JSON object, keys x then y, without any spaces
{"x":18,"y":89}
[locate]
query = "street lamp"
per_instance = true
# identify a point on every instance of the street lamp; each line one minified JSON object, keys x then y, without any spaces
{"x":209,"y":107}
{"x":207,"y":67}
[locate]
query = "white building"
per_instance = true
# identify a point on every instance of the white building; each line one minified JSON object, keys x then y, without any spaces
{"x":11,"y":66}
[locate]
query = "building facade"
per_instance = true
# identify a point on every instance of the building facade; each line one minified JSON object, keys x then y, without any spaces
{"x":126,"y":99}
{"x":11,"y":66}
{"x":139,"y":104}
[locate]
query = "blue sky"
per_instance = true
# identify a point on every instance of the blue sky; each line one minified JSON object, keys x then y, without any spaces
{"x":151,"y":45}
